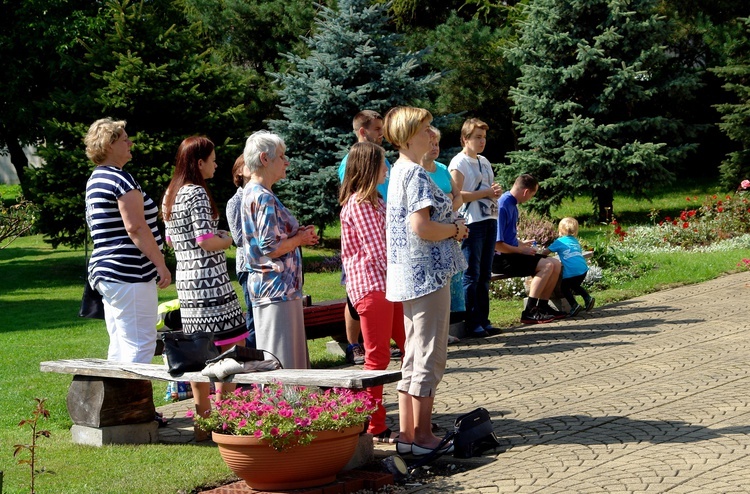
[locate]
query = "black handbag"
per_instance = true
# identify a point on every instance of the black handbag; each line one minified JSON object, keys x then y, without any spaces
{"x":92,"y":304}
{"x":473,"y":434}
{"x":188,"y":352}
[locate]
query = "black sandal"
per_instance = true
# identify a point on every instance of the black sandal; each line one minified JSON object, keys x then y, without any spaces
{"x":387,"y":437}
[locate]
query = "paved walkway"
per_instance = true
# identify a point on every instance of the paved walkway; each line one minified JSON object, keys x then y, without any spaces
{"x":647,"y":395}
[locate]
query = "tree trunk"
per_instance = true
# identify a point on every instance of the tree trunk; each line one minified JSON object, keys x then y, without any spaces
{"x":604,"y":199}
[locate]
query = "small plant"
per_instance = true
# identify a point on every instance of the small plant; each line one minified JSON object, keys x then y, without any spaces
{"x":16,"y":220}
{"x":39,"y":412}
{"x":285,"y":416}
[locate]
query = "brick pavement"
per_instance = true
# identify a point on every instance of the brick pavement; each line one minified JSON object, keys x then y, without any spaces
{"x":646,"y":395}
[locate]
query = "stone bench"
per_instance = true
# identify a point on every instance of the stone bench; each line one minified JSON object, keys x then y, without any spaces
{"x":112,"y":402}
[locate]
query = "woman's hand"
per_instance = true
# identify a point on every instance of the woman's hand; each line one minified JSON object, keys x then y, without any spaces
{"x":495,"y":190}
{"x":163,"y":277}
{"x":462,"y":231}
{"x":307,"y":235}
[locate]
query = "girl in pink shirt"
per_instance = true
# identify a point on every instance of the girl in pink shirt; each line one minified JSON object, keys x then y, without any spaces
{"x":364,"y":257}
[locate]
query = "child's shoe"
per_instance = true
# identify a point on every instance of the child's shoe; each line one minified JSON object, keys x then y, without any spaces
{"x":590,"y":304}
{"x":575,"y":310}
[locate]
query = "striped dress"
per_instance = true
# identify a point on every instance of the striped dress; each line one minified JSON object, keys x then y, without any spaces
{"x":115,"y":257}
{"x":208,"y":301}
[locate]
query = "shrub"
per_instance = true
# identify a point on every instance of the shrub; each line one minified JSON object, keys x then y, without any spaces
{"x":16,"y":220}
{"x":508,"y":289}
{"x":699,"y":225}
{"x":532,"y":225}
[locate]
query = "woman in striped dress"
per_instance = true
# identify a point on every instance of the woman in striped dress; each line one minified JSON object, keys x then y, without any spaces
{"x":208,"y":301}
{"x":126,"y":264}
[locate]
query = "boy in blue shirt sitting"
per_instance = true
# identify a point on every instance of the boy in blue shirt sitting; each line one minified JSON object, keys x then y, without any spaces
{"x":574,"y":267}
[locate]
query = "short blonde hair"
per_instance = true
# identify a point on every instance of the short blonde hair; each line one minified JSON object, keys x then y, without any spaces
{"x":402,"y":123}
{"x":568,"y":226}
{"x":469,"y":126}
{"x":100,"y":136}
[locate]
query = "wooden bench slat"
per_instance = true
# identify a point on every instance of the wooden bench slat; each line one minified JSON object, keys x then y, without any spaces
{"x":341,"y":378}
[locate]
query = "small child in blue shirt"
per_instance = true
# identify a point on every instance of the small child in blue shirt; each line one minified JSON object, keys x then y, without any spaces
{"x":574,"y":267}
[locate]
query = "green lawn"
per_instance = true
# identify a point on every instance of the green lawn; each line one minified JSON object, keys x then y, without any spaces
{"x":39,"y":299}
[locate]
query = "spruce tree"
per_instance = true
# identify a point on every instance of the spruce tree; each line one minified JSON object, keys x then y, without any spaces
{"x":736,"y":115}
{"x":355,"y":63}
{"x":592,"y":100}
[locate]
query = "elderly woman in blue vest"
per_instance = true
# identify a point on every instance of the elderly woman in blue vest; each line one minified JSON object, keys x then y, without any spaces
{"x":272,"y":242}
{"x":423,"y":254}
{"x":127,"y":264}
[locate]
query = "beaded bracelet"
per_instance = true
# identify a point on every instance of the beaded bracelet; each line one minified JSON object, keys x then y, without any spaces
{"x":455,"y":237}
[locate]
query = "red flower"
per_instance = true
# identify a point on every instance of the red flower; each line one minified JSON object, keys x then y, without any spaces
{"x":661,"y":222}
{"x":691,"y":213}
{"x":728,"y":197}
{"x":720,"y":209}
{"x":719,"y":203}
{"x":714,"y":196}
{"x":687,"y":199}
{"x":683,"y":215}
{"x":667,"y":219}
{"x":674,"y":222}
{"x":685,"y":225}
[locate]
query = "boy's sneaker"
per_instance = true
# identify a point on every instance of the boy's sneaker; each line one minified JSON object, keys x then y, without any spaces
{"x":533,"y":316}
{"x":590,"y":304}
{"x":355,"y":354}
{"x":557,"y":314}
{"x":575,"y":310}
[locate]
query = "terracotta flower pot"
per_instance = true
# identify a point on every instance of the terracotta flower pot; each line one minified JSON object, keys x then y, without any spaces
{"x":297,"y":467}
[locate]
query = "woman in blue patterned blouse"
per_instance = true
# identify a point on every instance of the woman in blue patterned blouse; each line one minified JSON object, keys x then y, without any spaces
{"x":272,"y":242}
{"x":423,"y":254}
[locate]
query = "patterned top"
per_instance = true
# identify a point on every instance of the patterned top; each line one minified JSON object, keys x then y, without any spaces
{"x":265,"y":223}
{"x":417,"y":267}
{"x":115,"y":257}
{"x":363,"y":247}
{"x":570,"y":253}
{"x":208,"y":301}
{"x":234,"y":218}
{"x":478,"y":175}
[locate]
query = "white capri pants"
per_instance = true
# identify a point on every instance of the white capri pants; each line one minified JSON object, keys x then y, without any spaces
{"x":130,"y":311}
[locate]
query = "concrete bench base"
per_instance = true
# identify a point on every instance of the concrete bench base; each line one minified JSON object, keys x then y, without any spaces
{"x":145,"y":433}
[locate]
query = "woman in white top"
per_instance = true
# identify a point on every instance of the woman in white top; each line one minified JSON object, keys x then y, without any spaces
{"x":474,"y":177}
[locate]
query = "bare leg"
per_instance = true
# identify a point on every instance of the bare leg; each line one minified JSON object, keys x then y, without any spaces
{"x":545,"y":278}
{"x":422,"y":413}
{"x":405,"y":418}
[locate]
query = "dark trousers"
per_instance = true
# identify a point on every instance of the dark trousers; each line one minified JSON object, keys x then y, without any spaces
{"x":479,"y":250}
{"x":249,"y":322}
{"x":573,"y":285}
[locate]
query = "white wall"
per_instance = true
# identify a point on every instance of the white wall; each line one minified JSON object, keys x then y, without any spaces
{"x":8,"y":173}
